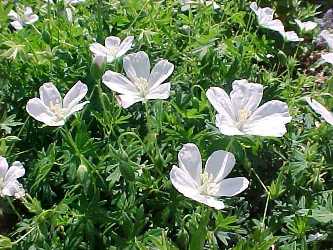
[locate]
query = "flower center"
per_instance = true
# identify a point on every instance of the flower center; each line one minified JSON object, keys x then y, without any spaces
{"x":142,"y":86}
{"x":243,"y":114}
{"x":208,"y":186}
{"x":113,"y":50}
{"x":57,"y":110}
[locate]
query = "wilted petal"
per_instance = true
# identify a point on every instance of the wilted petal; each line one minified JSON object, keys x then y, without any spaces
{"x":161,"y":71}
{"x":98,"y":49}
{"x":137,"y":66}
{"x":119,"y":83}
{"x":75,"y":95}
{"x":190,"y":161}
{"x":3,"y":167}
{"x":245,"y":95}
{"x":125,"y":45}
{"x":268,"y":120}
{"x":50,"y":95}
{"x":37,"y":109}
{"x":13,"y":188}
{"x":321,"y":110}
{"x":160,"y":92}
{"x":232,"y":186}
{"x":128,"y":100}
{"x":219,"y":164}
{"x":221,"y":102}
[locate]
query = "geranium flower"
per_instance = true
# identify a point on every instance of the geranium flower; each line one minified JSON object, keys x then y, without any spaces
{"x":328,"y":37}
{"x":205,"y":186}
{"x":9,"y":186}
{"x":141,"y":84}
{"x":306,"y":26}
{"x":24,"y":17}
{"x":239,"y":114}
{"x":265,"y":18}
{"x":188,"y":4}
{"x":320,"y":109}
{"x":113,"y":48}
{"x":51,"y":109}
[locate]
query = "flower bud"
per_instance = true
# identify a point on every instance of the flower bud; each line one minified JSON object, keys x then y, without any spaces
{"x":97,"y":66}
{"x":81,"y":172}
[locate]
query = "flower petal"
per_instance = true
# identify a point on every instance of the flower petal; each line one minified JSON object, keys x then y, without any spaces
{"x":13,"y":15}
{"x":13,"y":188}
{"x":221,"y":102}
{"x":275,"y":25}
{"x":232,"y":186}
{"x":328,"y":37}
{"x":128,"y":100}
{"x":50,"y":95}
{"x":328,"y":57}
{"x":75,"y":95}
{"x":119,"y":83}
{"x":75,"y":108}
{"x":16,"y":25}
{"x":226,"y":125}
{"x":268,"y":120}
{"x":190,"y":161}
{"x":3,"y":167}
{"x":31,"y":19}
{"x":245,"y":95}
{"x":37,"y":109}
{"x":291,"y":36}
{"x":137,"y":65}
{"x":125,"y":45}
{"x":112,"y":41}
{"x":159,"y":92}
{"x":183,"y":182}
{"x":14,"y":172}
{"x":98,"y":49}
{"x":219,"y":164}
{"x":161,"y":71}
{"x":321,"y":110}
{"x":209,"y":201}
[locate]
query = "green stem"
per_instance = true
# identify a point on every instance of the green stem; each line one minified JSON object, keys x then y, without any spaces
{"x":231,"y":141}
{"x":13,"y":207}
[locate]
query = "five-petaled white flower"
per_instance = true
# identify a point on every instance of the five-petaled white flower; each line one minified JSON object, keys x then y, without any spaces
{"x":51,"y":109}
{"x":188,"y":4}
{"x":141,"y":84}
{"x":206,"y":186}
{"x":113,"y":48}
{"x":239,"y":114}
{"x":22,"y":18}
{"x":306,"y":26}
{"x":321,"y":110}
{"x":9,"y":186}
{"x":265,"y":19}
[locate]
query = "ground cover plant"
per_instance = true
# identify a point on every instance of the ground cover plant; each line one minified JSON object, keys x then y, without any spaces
{"x":171,"y":124}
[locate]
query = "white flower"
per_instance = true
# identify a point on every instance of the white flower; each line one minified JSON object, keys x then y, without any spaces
{"x":239,"y":114}
{"x":22,"y":18}
{"x":306,"y":26}
{"x":205,"y":186}
{"x":265,"y":18}
{"x":9,"y":186}
{"x":291,"y":36}
{"x":321,"y":110}
{"x":328,"y":37}
{"x":51,"y":109}
{"x":188,"y":4}
{"x":328,"y":57}
{"x":141,"y":84}
{"x":113,"y":48}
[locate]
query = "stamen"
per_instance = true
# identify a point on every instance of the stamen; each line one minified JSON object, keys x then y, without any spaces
{"x":142,"y":86}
